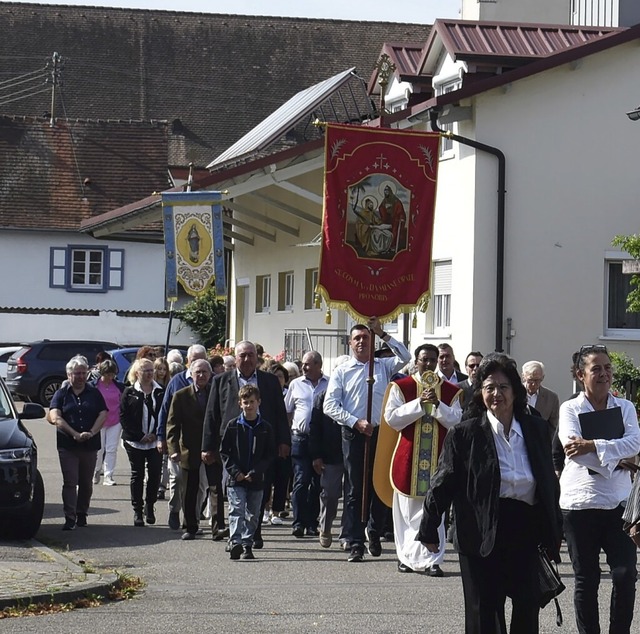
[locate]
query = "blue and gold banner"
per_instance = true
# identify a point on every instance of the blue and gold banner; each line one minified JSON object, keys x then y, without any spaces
{"x":194,"y":245}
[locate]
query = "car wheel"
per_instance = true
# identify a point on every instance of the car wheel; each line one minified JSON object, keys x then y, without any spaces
{"x":47,"y":390}
{"x":34,"y":517}
{"x":27,"y":525}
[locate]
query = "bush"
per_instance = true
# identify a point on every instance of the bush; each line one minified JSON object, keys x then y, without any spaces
{"x":206,"y":316}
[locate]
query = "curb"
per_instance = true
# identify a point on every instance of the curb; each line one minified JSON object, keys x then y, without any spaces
{"x":92,"y":583}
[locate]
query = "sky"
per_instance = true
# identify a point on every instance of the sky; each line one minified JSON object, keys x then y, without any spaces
{"x":419,"y":11}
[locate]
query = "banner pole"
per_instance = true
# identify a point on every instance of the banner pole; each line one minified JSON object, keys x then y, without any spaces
{"x":166,"y":348}
{"x":367,"y":440}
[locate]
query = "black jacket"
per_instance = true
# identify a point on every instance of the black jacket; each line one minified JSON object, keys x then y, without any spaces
{"x":325,"y":435}
{"x":223,"y":407}
{"x":131,"y":412}
{"x":248,"y":448}
{"x":468,"y":476}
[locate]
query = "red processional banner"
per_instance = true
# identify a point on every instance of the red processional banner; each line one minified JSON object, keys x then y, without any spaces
{"x":379,"y":200}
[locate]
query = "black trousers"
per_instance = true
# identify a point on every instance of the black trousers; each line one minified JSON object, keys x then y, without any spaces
{"x":139,"y":458}
{"x":510,"y":570}
{"x":587,"y":532}
{"x":353,"y":444}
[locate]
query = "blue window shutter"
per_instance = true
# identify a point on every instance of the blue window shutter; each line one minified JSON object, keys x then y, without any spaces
{"x":57,"y":267}
{"x":115,"y":271}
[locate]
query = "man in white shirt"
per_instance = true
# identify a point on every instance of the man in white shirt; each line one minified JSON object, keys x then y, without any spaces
{"x":446,"y":365}
{"x":346,"y":403}
{"x":298,"y":400}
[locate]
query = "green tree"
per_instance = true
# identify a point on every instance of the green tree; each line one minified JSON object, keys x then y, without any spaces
{"x":631,"y":244}
{"x":206,"y":316}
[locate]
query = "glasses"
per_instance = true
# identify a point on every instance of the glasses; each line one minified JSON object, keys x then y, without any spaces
{"x":473,"y":366}
{"x":493,"y":388}
{"x":593,"y":349}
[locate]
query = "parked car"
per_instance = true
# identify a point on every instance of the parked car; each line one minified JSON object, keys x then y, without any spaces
{"x":5,"y":353}
{"x":124,"y":357}
{"x":37,"y":370}
{"x":21,"y":485}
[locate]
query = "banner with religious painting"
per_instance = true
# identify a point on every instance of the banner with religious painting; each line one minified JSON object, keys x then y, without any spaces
{"x":194,"y":247}
{"x":379,"y":199}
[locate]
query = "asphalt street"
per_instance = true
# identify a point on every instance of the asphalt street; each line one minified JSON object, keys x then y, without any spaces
{"x":293,"y":586}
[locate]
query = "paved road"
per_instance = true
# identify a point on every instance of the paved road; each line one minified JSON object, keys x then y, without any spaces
{"x":293,"y":586}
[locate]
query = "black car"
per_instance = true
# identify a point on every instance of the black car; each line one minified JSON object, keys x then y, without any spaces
{"x":37,"y":370}
{"x":21,"y":486}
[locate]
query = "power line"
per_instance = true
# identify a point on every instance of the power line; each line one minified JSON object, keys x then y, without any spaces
{"x":6,"y":101}
{"x":41,"y":71}
{"x":41,"y":78}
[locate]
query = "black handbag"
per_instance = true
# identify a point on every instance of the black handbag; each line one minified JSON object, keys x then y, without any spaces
{"x":550,"y":583}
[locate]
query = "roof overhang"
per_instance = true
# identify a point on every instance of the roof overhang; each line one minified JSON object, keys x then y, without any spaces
{"x":269,"y":195}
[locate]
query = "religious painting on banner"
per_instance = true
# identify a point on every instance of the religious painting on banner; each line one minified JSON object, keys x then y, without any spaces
{"x":379,"y":199}
{"x":194,"y":247}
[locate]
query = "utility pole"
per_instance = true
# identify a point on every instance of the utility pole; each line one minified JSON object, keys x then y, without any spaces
{"x":56,"y":65}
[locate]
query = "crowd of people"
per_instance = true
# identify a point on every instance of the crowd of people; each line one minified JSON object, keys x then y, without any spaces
{"x":421,"y":447}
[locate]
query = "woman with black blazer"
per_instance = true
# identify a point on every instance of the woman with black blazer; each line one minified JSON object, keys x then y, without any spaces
{"x":139,"y":410}
{"x":497,"y":471}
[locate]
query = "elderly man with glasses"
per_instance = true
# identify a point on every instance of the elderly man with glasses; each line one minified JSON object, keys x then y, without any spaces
{"x":542,"y":399}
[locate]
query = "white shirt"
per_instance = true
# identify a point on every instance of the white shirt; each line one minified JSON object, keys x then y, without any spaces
{"x":609,"y":487}
{"x":346,"y":400}
{"x":147,"y":420}
{"x":516,"y":478}
{"x":452,"y":379}
{"x":532,"y":399}
{"x":400,"y":414}
{"x":299,"y":401}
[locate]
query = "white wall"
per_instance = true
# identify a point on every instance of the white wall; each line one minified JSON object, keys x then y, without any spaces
{"x":25,"y":280}
{"x":106,"y":326}
{"x":544,"y":11}
{"x":572,"y":186}
{"x":24,"y":284}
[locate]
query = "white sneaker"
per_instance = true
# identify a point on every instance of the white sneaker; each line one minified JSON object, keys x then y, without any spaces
{"x":108,"y":482}
{"x":276,"y":521}
{"x":96,"y":478}
{"x":265,"y":517}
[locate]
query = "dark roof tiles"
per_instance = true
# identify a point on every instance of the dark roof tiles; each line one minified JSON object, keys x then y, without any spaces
{"x":52,"y":178}
{"x":220,"y":75}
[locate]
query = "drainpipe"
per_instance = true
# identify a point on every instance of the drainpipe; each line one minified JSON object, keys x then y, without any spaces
{"x":434,"y":113}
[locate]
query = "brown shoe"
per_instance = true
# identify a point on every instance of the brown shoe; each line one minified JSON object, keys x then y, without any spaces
{"x":326,"y":539}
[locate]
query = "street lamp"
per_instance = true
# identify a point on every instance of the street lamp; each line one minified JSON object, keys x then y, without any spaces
{"x":634,"y":115}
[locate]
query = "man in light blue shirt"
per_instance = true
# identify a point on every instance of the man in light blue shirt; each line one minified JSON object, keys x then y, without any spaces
{"x":346,"y":403}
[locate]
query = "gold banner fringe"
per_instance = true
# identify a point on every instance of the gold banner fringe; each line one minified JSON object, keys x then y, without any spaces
{"x":421,"y":305}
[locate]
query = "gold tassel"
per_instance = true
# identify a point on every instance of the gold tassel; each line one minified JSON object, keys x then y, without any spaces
{"x":327,"y":317}
{"x":414,"y":323}
{"x":317,"y":300}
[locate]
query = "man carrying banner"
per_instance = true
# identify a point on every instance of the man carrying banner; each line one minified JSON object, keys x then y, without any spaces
{"x":420,"y":408}
{"x":346,"y":403}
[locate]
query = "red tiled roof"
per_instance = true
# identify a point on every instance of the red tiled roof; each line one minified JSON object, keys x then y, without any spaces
{"x":510,"y":42}
{"x":51,"y":178}
{"x":406,"y":57}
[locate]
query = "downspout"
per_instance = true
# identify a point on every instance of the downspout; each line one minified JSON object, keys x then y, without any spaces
{"x":434,"y":113}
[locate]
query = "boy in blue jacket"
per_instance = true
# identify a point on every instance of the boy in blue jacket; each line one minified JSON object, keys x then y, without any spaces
{"x":247,"y":449}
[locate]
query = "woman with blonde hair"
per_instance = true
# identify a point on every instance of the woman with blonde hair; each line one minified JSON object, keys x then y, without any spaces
{"x":139,"y":410}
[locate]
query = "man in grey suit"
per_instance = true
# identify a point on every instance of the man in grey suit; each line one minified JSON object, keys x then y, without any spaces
{"x":538,"y":396}
{"x":471,"y":365}
{"x":223,"y":407}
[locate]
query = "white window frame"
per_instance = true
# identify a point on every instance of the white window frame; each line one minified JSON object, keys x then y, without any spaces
{"x":446,"y":144}
{"x":65,"y":266}
{"x":263,"y":291}
{"x":441,"y":300}
{"x":311,"y":282}
{"x":610,"y":332}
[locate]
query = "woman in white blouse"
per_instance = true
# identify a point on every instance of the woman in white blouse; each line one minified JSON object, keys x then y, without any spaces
{"x":594,"y":485}
{"x":139,"y":409}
